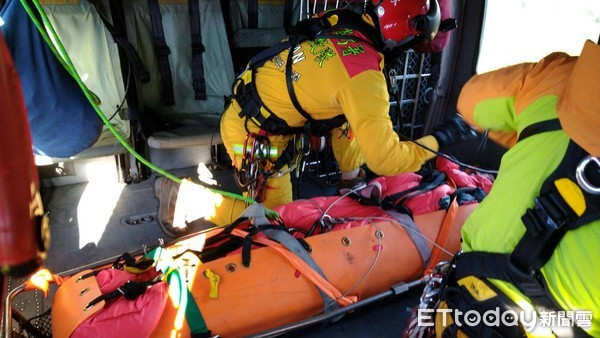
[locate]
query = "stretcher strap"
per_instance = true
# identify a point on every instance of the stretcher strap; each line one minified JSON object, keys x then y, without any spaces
{"x":292,"y":244}
{"x":186,"y":301}
{"x":415,"y":235}
{"x":443,"y":235}
{"x":305,"y":269}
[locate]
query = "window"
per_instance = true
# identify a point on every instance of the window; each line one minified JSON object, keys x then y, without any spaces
{"x":527,"y":30}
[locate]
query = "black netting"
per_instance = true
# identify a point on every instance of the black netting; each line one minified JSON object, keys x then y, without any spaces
{"x":40,"y":326}
{"x":410,"y":88}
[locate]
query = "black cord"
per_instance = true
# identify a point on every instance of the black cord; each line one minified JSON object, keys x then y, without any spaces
{"x":124,"y":96}
{"x":450,"y":158}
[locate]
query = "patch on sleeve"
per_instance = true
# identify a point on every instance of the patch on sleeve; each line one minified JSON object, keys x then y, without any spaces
{"x":356,"y":55}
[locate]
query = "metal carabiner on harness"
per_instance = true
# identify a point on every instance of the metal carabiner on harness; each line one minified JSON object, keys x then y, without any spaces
{"x":582,"y":179}
{"x":256,"y":165}
{"x":244,"y":176}
{"x":297,"y":162}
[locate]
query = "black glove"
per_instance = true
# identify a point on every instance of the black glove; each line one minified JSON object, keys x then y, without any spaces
{"x":453,"y":130}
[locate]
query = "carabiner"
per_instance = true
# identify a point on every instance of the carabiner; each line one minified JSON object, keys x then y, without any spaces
{"x":583,"y":181}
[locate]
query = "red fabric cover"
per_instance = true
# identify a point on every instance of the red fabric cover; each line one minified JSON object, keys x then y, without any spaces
{"x":19,"y":183}
{"x":383,"y":186}
{"x":462,"y":178}
{"x":429,"y":201}
{"x":121,"y":317}
{"x":304,"y":213}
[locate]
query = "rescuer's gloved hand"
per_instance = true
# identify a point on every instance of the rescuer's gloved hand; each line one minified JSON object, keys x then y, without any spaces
{"x":453,"y":130}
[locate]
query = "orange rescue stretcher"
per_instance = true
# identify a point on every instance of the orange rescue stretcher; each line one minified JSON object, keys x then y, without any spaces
{"x":367,"y":252}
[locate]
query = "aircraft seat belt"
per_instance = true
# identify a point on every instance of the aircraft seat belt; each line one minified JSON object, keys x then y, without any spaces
{"x":162,"y":52}
{"x":252,"y":13}
{"x":197,"y":50}
{"x":287,"y":15}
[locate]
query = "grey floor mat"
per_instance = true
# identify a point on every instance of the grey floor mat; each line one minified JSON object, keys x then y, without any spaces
{"x":101,"y":226}
{"x":108,"y":220}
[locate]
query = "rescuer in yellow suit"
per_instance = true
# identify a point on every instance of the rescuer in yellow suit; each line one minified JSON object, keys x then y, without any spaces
{"x":333,"y":81}
{"x":337,"y":77}
{"x":537,"y":192}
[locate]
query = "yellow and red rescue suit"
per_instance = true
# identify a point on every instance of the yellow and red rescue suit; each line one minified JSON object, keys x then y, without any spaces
{"x":331,"y":77}
{"x":505,"y":102}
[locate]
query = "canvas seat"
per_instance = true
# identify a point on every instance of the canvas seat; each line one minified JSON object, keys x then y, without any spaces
{"x":193,"y":121}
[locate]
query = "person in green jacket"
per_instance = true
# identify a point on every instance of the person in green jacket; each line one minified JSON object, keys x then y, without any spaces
{"x":525,"y":103}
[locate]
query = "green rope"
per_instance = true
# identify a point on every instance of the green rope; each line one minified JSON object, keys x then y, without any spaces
{"x":53,"y":41}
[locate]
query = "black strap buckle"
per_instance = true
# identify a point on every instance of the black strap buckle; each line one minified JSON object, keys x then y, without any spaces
{"x":549,"y":213}
{"x":162,"y":50}
{"x":198,"y":48}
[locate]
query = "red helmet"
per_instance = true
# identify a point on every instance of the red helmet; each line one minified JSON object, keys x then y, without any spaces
{"x":402,"y":21}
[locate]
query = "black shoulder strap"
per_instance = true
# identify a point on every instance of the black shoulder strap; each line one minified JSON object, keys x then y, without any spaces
{"x":197,"y":50}
{"x":260,"y":58}
{"x":539,"y":127}
{"x":551,"y":217}
{"x":289,"y":80}
{"x":162,"y":52}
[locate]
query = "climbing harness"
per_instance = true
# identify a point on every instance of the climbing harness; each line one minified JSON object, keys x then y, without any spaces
{"x":257,"y":165}
{"x":561,"y":206}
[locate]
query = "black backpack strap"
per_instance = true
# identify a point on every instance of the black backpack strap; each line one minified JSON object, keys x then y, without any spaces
{"x":499,"y":266}
{"x":260,"y":58}
{"x":162,"y":51}
{"x":197,"y":50}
